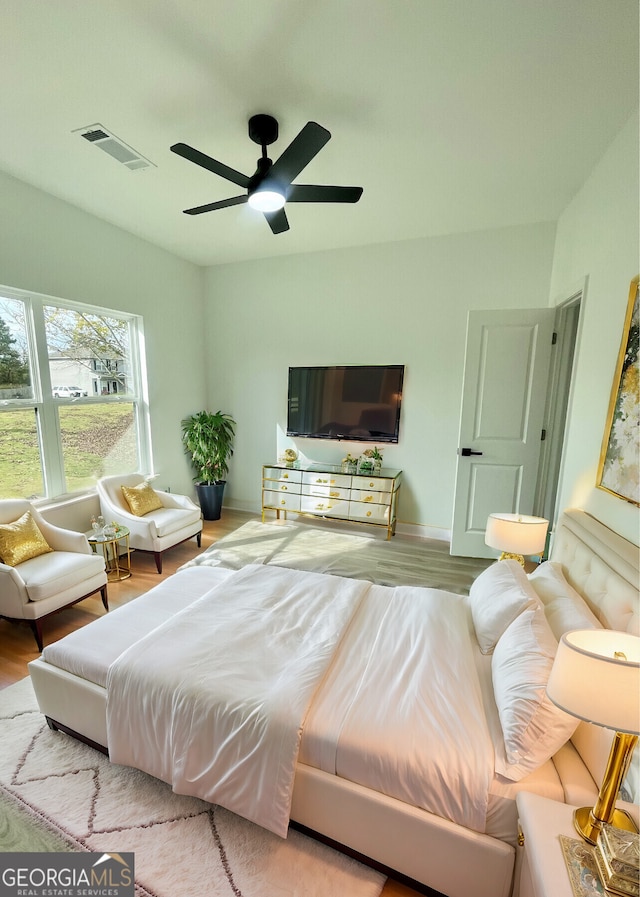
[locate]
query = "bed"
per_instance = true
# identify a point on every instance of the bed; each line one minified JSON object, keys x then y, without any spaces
{"x":350,"y":756}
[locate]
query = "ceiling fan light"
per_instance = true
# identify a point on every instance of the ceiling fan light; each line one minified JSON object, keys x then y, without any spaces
{"x":266,"y":200}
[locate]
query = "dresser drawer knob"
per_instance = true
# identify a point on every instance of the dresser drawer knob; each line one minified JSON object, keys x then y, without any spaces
{"x":368,"y":513}
{"x":283,"y":488}
{"x":285,"y":476}
{"x":283,"y":502}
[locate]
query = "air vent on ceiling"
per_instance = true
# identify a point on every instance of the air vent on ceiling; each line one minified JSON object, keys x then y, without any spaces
{"x":115,"y":147}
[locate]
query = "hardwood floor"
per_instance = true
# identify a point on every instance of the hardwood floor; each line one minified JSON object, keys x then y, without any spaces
{"x":18,"y":646}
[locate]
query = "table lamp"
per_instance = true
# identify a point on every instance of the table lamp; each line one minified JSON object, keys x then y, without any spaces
{"x":516,"y":535}
{"x":596,"y":677}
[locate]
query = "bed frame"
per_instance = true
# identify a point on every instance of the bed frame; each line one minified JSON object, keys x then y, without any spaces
{"x":417,"y":845}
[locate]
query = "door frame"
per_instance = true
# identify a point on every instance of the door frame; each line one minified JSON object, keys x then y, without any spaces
{"x":568,"y":326}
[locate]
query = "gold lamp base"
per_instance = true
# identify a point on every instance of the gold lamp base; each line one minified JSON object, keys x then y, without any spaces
{"x":588,"y":821}
{"x":510,"y":556}
{"x":589,"y":827}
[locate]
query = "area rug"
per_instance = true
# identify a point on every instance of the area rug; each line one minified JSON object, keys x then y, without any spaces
{"x":59,"y":795}
{"x":396,"y":562}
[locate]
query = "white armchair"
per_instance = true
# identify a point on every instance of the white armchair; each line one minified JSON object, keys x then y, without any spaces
{"x":40,"y":586}
{"x":178,"y":520}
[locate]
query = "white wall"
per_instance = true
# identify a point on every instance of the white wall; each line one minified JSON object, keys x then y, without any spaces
{"x":398,"y":303}
{"x":50,"y":247}
{"x":598,"y":238}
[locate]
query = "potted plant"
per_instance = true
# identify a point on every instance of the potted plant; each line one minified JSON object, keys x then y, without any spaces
{"x":208,"y":440}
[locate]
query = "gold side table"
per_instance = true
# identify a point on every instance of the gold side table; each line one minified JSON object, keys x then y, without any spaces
{"x":118,"y":566}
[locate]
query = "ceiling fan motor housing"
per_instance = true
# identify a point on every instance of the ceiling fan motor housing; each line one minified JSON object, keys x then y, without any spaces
{"x":263,"y":129}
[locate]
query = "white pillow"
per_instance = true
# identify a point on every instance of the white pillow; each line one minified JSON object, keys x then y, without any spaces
{"x":564,"y":608}
{"x":533,"y":728}
{"x":497,"y":596}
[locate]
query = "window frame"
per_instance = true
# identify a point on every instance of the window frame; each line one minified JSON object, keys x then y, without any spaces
{"x":44,"y":404}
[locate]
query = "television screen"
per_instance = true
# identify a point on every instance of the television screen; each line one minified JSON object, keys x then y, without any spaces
{"x":353,"y":402}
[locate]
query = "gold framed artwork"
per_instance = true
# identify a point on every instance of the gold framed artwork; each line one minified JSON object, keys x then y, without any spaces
{"x":619,"y":468}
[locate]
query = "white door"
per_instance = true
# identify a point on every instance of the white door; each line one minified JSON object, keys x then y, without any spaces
{"x":506,"y":370}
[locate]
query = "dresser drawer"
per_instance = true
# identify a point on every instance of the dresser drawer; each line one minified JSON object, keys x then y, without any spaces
{"x":314,"y":504}
{"x":282,"y":475}
{"x":282,"y":486}
{"x":326,"y":491}
{"x":379,"y":498}
{"x":375,"y":484}
{"x":281,"y":501}
{"x":368,"y":513}
{"x":313,"y":478}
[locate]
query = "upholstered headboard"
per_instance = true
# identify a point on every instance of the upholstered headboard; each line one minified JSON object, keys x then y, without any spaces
{"x":605,"y":569}
{"x":602,"y":566}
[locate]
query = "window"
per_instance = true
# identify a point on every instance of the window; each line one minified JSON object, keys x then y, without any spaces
{"x":71,"y":407}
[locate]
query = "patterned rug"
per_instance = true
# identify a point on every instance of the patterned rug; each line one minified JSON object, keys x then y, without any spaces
{"x":401,"y":561}
{"x":59,"y":795}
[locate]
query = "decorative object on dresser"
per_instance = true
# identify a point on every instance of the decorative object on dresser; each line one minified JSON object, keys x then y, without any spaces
{"x":208,"y":440}
{"x":289,"y":457}
{"x":516,"y":535}
{"x":324,"y":491}
{"x":596,"y":677}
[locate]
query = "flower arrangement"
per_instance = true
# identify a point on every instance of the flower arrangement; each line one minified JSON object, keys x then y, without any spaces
{"x":374,"y":453}
{"x":349,"y":463}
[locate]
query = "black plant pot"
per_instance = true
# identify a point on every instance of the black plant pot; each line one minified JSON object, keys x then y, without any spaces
{"x":210,"y":498}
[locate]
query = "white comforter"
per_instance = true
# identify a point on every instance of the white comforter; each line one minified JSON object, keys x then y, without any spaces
{"x":401,"y":709}
{"x":213,"y":700}
{"x":384,"y":680}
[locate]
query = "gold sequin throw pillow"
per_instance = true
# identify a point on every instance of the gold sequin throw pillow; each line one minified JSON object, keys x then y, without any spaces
{"x":21,"y":541}
{"x":141,"y":499}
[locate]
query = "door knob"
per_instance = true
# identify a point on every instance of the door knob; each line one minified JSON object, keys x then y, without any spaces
{"x":465,"y":452}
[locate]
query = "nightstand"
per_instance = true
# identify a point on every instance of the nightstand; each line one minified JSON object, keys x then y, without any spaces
{"x":543,"y":872}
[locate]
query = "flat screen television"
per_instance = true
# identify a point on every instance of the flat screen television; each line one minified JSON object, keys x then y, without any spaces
{"x":358,"y":403}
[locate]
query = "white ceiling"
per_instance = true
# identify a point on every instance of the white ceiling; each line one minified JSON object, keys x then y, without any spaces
{"x":454,"y":115}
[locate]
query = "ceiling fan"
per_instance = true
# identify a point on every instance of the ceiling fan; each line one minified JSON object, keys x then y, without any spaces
{"x":270,"y":186}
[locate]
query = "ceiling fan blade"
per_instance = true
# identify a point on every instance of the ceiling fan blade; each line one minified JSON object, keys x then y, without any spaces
{"x":300,"y":152}
{"x":322,"y":193}
{"x":193,"y":155}
{"x":277,"y":221}
{"x":212,"y":206}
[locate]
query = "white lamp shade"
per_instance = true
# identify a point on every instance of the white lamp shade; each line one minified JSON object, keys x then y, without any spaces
{"x":589,"y":681}
{"x":516,"y":533}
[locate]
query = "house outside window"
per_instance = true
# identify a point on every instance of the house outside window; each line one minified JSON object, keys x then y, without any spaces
{"x":72,"y":405}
